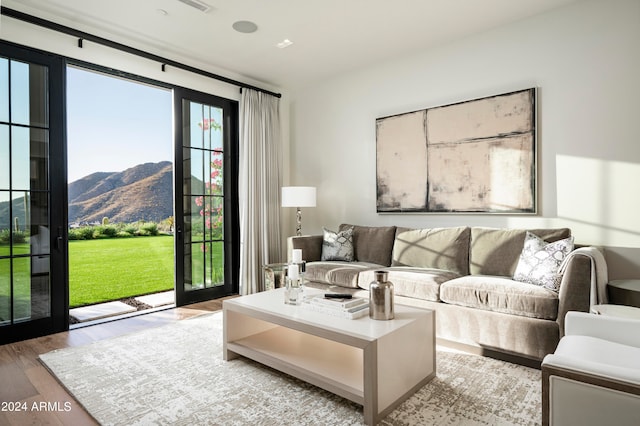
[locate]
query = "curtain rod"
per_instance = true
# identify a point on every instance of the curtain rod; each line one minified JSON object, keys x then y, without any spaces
{"x":81,"y":35}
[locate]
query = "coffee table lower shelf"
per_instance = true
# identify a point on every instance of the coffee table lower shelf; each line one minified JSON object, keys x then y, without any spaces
{"x":377,"y":364}
{"x":338,"y":370}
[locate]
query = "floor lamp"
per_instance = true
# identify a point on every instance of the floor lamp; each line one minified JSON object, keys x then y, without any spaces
{"x":298,"y":196}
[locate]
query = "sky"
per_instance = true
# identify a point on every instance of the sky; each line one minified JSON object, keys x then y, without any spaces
{"x":114,"y":124}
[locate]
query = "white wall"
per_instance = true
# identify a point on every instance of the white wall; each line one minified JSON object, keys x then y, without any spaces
{"x":584,"y":60}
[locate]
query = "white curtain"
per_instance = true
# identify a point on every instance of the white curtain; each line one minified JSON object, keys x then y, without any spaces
{"x":259,"y":187}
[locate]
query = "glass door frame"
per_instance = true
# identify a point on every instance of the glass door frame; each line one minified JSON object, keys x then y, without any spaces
{"x":231,"y":230}
{"x":58,"y":319}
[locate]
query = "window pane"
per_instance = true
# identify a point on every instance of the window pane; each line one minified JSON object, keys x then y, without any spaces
{"x":40,"y":287}
{"x":4,"y":89}
{"x":198,"y":159}
{"x":39,"y":159}
{"x":39,"y":235}
{"x":217,"y":273}
{"x":192,"y":116}
{"x":20,"y":158}
{"x":29,"y":100}
{"x":217,"y":136}
{"x":197,"y":264}
{"x":4,"y":157}
{"x":186,"y":164}
{"x":20,"y":223}
{"x":216,"y":218}
{"x":187,"y":266}
{"x":196,"y":217}
{"x":5,"y":287}
{"x":216,"y":173}
{"x":21,"y":289}
{"x":5,"y":223}
{"x":215,"y":128}
{"x":29,"y":153}
{"x":206,"y":211}
{"x":208,"y":262}
{"x":19,"y":92}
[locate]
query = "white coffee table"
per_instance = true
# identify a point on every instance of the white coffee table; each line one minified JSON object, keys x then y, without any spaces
{"x":377,"y":364}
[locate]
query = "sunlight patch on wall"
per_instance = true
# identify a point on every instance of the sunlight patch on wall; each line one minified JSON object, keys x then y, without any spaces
{"x":601,"y":199}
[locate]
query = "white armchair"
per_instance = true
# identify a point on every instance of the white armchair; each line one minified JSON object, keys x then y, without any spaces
{"x":593,"y":377}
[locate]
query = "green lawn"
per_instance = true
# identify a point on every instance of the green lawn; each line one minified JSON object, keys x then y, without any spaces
{"x":111,"y":269}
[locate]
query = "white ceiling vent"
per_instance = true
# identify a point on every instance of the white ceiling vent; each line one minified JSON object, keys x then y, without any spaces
{"x":197,"y":4}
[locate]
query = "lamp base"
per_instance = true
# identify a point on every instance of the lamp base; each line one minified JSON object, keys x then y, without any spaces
{"x":298,"y":222}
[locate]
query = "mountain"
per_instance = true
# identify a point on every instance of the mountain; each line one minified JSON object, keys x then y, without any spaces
{"x":6,"y":221}
{"x":143,"y":192}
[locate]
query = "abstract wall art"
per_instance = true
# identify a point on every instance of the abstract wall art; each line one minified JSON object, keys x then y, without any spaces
{"x":477,"y":156}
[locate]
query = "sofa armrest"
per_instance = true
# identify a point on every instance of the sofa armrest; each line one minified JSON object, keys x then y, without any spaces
{"x":575,"y":288}
{"x":613,"y":329}
{"x":311,"y":246}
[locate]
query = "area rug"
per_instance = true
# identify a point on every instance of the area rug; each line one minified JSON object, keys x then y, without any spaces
{"x":175,"y":375}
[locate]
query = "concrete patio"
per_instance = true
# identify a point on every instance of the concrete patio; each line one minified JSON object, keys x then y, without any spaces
{"x":105,"y":310}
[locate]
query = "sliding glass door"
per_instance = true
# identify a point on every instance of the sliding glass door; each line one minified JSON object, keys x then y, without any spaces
{"x":34,"y":289}
{"x":32,"y":190}
{"x":206,"y":196}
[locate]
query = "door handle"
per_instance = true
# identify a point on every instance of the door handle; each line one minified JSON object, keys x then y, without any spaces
{"x":59,"y":239}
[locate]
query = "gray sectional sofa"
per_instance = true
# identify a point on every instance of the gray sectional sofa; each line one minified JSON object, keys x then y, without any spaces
{"x":465,"y":275}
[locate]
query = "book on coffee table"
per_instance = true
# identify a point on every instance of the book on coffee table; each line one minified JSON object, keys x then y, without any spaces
{"x":353,"y":308}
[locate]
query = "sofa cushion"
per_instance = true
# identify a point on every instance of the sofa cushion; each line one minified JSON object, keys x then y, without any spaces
{"x":500,"y":294}
{"x":417,"y":283}
{"x":337,"y":245}
{"x":496,"y":251}
{"x":344,"y":274}
{"x":435,"y":248}
{"x":311,"y":246}
{"x":372,"y":243}
{"x":540,"y":261}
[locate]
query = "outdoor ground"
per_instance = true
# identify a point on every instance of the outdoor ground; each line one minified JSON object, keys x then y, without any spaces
{"x":117,"y":268}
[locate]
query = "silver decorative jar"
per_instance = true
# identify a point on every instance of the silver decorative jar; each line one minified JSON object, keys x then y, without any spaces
{"x":381,"y":297}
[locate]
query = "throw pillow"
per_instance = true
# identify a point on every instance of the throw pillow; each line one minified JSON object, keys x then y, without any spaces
{"x":337,"y":245}
{"x":539,"y":261}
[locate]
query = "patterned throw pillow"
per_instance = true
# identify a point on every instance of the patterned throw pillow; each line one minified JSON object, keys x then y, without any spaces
{"x":539,"y":261}
{"x":337,"y":245}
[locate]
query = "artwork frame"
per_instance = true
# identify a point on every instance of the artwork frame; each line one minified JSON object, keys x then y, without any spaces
{"x":475,"y":156}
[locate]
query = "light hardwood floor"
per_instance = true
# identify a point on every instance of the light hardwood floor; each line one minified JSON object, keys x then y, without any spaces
{"x":24,"y":381}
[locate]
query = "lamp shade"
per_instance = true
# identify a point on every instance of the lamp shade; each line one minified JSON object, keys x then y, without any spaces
{"x":298,"y":196}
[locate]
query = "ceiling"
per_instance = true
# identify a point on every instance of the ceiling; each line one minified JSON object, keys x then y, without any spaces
{"x":329,"y":36}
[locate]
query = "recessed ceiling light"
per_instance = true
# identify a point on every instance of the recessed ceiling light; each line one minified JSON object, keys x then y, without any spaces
{"x":284,"y":43}
{"x":245,"y":27}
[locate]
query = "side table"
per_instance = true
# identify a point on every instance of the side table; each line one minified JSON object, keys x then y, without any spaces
{"x":619,"y":311}
{"x":624,"y":292}
{"x":275,"y":275}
